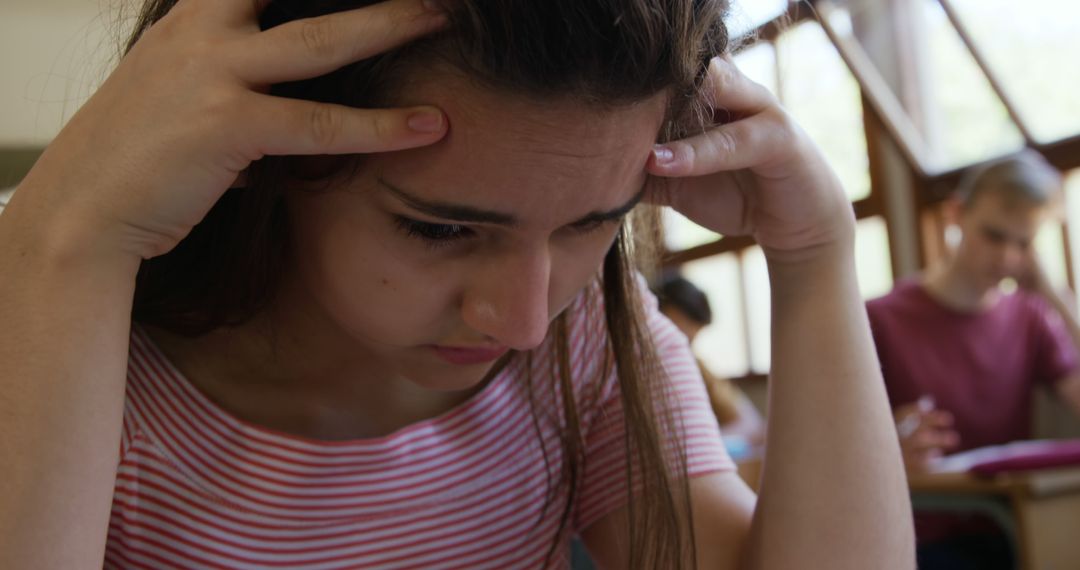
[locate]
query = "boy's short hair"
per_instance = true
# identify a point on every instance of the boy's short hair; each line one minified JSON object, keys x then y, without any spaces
{"x":1022,"y":178}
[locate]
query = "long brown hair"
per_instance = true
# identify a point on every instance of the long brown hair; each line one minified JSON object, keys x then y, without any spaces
{"x":602,"y":52}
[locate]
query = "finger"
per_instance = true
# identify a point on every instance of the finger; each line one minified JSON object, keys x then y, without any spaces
{"x":932,"y":455}
{"x":728,"y":89}
{"x":938,"y":419}
{"x":918,"y":462}
{"x":934,"y":439}
{"x":316,"y":46}
{"x":290,"y":126}
{"x":735,"y":146}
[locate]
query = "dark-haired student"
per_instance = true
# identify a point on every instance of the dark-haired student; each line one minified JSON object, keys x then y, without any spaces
{"x":689,"y":309}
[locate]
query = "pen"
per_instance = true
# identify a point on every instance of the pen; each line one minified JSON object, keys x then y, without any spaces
{"x":911,"y":423}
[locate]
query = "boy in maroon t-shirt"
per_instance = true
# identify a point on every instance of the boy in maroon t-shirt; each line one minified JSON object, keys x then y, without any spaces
{"x":960,"y":358}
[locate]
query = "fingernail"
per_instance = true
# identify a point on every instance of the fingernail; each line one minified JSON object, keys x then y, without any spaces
{"x":663,"y":155}
{"x":425,"y":121}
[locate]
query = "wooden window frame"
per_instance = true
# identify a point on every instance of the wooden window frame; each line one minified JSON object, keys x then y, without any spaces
{"x":884,"y":116}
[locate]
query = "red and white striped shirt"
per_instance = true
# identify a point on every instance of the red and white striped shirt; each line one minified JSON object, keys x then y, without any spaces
{"x":198,"y":488}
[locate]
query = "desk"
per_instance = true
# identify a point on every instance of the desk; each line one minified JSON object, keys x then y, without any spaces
{"x":1040,"y":510}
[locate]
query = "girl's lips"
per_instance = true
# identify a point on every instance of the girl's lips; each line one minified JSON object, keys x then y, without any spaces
{"x":465,"y":355}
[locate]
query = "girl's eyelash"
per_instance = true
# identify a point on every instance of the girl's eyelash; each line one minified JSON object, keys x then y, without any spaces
{"x":588,"y":226}
{"x":433,"y":234}
{"x":437,"y":235}
{"x":595,"y":225}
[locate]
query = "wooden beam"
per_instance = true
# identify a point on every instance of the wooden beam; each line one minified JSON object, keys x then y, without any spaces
{"x":984,"y":65}
{"x":769,"y":31}
{"x":878,"y":93}
{"x":1063,"y":154}
{"x":864,"y":208}
{"x":726,"y":244}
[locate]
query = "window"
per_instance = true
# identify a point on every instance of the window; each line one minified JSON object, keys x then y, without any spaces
{"x":951,"y":83}
{"x":721,"y":345}
{"x":964,"y":121}
{"x":805,"y":71}
{"x":819,"y":91}
{"x":1033,"y":47}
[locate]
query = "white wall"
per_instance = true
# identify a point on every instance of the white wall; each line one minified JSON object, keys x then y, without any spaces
{"x":53,"y":53}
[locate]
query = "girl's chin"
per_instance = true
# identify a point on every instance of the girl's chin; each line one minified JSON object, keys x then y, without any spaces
{"x":445,"y":377}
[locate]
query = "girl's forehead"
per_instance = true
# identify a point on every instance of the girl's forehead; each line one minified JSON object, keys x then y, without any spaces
{"x":562,"y":124}
{"x":522,"y":154}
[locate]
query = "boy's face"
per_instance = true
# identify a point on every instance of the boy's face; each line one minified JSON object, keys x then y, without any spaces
{"x":998,"y":236}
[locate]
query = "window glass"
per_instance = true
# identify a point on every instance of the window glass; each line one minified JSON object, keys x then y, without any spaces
{"x":758,"y":62}
{"x":721,"y":345}
{"x":1050,"y":245}
{"x":823,"y":96}
{"x":758,"y":308}
{"x":1033,"y":48}
{"x":873,"y":263}
{"x":964,"y":121}
{"x":680,"y":233}
{"x":745,"y":16}
{"x":1072,"y":215}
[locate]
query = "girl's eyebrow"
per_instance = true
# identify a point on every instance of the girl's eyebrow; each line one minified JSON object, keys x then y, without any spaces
{"x":469,"y":214}
{"x":611,"y":215}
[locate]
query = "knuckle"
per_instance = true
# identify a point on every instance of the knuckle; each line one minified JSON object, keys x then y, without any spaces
{"x":217,"y":104}
{"x":783,"y":121}
{"x":317,"y":35}
{"x":194,"y":58}
{"x":722,"y":142}
{"x":725,"y":76}
{"x":379,"y":127}
{"x":326,"y":125}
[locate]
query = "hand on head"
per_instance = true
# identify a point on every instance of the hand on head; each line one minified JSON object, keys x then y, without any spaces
{"x":758,"y":175}
{"x":187,"y":110}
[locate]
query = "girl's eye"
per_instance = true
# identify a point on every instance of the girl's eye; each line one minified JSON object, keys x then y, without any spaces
{"x":434,"y":234}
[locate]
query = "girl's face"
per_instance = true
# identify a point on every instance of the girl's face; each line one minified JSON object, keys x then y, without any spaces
{"x":435,"y":261}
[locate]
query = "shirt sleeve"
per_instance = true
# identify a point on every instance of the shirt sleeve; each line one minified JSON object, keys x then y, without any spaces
{"x":1056,"y":355}
{"x":694,"y":426}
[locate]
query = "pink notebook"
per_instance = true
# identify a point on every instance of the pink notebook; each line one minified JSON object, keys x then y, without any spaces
{"x":1013,"y":457}
{"x":1030,"y":456}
